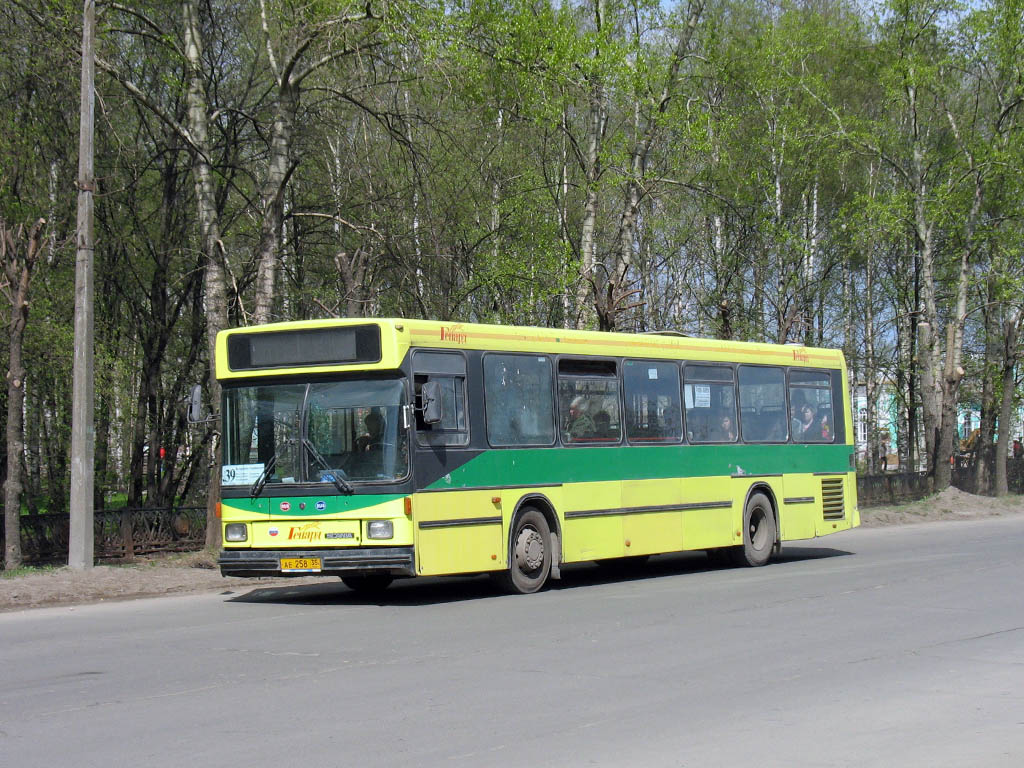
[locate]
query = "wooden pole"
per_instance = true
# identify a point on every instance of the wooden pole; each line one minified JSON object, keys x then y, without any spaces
{"x":83,"y":431}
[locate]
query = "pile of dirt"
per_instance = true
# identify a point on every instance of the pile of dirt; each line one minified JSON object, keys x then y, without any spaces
{"x":950,"y":504}
{"x":197,"y":572}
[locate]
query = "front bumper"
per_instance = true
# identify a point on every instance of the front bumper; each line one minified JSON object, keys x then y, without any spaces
{"x":397,"y":561}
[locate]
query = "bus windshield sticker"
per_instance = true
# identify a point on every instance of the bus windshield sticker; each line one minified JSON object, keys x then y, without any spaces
{"x":240,"y":474}
{"x":652,"y":373}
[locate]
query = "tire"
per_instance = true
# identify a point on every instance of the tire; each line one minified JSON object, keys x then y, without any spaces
{"x":758,"y":532}
{"x":529,"y":555}
{"x":371,"y":584}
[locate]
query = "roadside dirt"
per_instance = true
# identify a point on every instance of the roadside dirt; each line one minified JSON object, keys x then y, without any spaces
{"x":951,"y":504}
{"x":147,"y":577}
{"x":197,"y":572}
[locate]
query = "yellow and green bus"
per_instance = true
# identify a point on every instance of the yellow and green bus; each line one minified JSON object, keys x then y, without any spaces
{"x":384,"y":448}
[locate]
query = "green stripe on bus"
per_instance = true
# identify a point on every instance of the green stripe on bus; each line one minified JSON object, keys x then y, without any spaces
{"x":550,"y":466}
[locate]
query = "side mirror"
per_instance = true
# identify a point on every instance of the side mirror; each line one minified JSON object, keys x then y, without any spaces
{"x":430,"y":399}
{"x":195,"y":405}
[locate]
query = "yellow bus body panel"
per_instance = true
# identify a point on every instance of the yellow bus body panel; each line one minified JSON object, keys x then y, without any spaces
{"x":589,"y":534}
{"x":458,"y":532}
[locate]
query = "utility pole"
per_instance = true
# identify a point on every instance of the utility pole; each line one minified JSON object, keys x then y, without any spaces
{"x":83,"y":430}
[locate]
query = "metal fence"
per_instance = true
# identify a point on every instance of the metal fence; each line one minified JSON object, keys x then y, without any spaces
{"x":965,"y":473}
{"x":119,"y":534}
{"x":898,"y":487}
{"x":891,"y":488}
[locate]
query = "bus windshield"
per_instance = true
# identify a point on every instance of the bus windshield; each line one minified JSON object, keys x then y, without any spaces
{"x":336,"y":432}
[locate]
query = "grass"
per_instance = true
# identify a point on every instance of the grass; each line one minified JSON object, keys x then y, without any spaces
{"x":28,"y":570}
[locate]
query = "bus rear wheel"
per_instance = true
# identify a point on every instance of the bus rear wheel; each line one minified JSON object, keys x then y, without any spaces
{"x":370,"y":584}
{"x":529,"y":555}
{"x":758,"y":532}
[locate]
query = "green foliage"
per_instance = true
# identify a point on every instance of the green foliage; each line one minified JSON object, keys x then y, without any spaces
{"x":440,"y":169}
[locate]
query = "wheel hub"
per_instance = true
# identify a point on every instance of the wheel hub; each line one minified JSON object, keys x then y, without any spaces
{"x":757,"y":530}
{"x":529,"y":549}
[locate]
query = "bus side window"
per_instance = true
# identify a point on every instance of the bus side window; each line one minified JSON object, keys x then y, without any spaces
{"x":710,"y":403}
{"x":518,"y":401}
{"x":810,"y":406}
{"x":652,"y":401}
{"x":763,"y":392}
{"x":588,"y":402}
{"x":448,"y":372}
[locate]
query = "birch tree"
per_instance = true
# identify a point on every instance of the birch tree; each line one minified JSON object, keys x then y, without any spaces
{"x":18,"y":254}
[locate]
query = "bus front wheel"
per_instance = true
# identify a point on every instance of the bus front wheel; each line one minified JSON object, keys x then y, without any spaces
{"x":529,"y":555}
{"x":758,"y":532}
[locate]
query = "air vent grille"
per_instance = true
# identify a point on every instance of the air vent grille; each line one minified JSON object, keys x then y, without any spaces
{"x":832,"y":502}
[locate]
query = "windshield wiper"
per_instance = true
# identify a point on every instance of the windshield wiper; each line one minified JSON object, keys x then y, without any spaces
{"x":334,"y":474}
{"x":257,"y":487}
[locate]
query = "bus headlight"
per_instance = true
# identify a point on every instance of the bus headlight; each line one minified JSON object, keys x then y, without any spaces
{"x":380,"y":529}
{"x":236,"y":532}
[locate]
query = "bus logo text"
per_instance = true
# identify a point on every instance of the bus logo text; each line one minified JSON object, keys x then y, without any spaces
{"x":308,"y":532}
{"x":453,"y":333}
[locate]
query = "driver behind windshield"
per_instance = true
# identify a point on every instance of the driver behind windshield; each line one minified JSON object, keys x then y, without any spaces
{"x":374,"y":424}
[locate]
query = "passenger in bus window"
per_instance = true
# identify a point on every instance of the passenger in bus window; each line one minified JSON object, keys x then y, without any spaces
{"x":826,"y":427}
{"x":796,"y":404}
{"x":805,"y":424}
{"x":726,"y":429}
{"x":580,"y":426}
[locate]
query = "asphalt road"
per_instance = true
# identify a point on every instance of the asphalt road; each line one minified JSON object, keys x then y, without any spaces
{"x":888,"y":647}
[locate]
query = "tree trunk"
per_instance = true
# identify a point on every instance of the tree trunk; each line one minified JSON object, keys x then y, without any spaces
{"x":808,"y":283}
{"x":986,"y":430}
{"x":953,"y":373}
{"x":904,"y":365}
{"x":18,"y":269}
{"x":931,"y":401}
{"x":102,"y":450}
{"x":214,"y":278}
{"x":1011,"y":330}
{"x":352,"y":269}
{"x":272,"y":198}
{"x":587,"y":293}
{"x":928,"y":319}
{"x":870,"y":375}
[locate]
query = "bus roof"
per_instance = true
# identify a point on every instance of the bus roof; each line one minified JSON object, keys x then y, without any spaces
{"x":327,"y":346}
